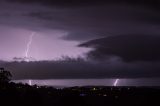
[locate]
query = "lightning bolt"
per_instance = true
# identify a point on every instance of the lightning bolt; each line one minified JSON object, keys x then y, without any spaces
{"x":29,"y":44}
{"x":116,"y":82}
{"x":30,"y":82}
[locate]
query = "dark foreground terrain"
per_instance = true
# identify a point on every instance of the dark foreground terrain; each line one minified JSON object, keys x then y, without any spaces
{"x":24,"y":95}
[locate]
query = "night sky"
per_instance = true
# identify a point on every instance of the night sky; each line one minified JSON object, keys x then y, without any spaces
{"x":114,"y":38}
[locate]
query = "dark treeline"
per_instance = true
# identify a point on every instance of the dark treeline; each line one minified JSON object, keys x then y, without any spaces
{"x":26,"y":95}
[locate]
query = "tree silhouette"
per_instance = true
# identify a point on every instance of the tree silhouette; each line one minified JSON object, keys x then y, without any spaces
{"x":5,"y":76}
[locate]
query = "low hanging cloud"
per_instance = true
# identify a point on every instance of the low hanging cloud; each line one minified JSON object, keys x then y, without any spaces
{"x":80,"y":69}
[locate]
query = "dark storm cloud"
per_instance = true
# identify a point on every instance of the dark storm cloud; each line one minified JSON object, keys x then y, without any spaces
{"x":78,"y":2}
{"x":127,"y":47}
{"x":132,"y":26}
{"x":81,"y":69}
{"x":106,"y":20}
{"x":84,"y":19}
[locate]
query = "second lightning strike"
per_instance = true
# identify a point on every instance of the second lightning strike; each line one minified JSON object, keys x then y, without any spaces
{"x":116,"y":82}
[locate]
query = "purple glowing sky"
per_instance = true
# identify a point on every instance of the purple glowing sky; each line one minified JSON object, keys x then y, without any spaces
{"x":45,"y":45}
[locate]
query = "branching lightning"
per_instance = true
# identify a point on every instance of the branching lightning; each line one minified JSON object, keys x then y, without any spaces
{"x":29,"y":44}
{"x":116,"y":82}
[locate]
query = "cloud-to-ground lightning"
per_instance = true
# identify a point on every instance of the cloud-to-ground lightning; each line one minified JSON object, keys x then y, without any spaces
{"x":28,"y":45}
{"x":30,"y":82}
{"x":116,"y":82}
